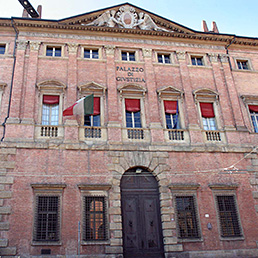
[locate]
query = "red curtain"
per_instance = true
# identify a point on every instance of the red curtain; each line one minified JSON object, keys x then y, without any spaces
{"x":253,"y":108}
{"x":96,"y":106}
{"x":207,"y":110}
{"x":170,"y":106}
{"x":50,"y":99}
{"x":132,"y":105}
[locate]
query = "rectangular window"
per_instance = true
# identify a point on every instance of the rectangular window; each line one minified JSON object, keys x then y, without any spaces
{"x":172,"y":114}
{"x":253,"y":109}
{"x":243,"y":65}
{"x":2,"y":49}
{"x":197,"y":61}
{"x":54,"y":51}
{"x":50,"y":110}
{"x":91,"y":53}
{"x":133,"y":113}
{"x":208,"y":116}
{"x":228,"y":216}
{"x":47,"y":218}
{"x":164,"y":58}
{"x":128,"y":56}
{"x":95,"y":219}
{"x":187,"y":222}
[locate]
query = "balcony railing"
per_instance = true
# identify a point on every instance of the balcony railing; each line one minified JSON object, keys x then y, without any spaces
{"x":176,"y":135}
{"x":92,"y":132}
{"x":49,"y":131}
{"x":213,"y":136}
{"x":135,"y":133}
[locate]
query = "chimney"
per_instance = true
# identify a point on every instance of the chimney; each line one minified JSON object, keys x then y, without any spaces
{"x":25,"y":14}
{"x":204,"y":26}
{"x":39,"y":10}
{"x":214,"y":27}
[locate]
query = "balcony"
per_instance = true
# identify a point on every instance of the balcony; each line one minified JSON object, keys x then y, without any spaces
{"x":213,"y":136}
{"x":92,"y":132}
{"x":49,"y":131}
{"x":176,"y":135}
{"x":135,"y":133}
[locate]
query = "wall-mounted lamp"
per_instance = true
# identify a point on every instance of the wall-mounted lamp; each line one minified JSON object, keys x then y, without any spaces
{"x":209,"y":226}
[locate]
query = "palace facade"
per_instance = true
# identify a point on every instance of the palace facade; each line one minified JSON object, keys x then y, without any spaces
{"x":165,"y":166}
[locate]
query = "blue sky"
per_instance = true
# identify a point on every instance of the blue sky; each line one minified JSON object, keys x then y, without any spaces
{"x":232,"y":16}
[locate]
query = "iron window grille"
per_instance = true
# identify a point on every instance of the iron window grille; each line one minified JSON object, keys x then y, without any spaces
{"x":47,"y":218}
{"x":228,"y":216}
{"x":2,"y":49}
{"x":242,"y":65}
{"x":188,"y":226}
{"x":95,"y":219}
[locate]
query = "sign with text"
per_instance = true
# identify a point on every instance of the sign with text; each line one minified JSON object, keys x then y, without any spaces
{"x":130,"y":74}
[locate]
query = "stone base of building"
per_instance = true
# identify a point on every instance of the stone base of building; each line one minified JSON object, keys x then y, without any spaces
{"x":240,"y":253}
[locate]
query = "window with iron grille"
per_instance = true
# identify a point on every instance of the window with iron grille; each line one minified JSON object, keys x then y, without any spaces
{"x":94,"y":218}
{"x":228,"y":216}
{"x":187,"y":222}
{"x":47,"y":218}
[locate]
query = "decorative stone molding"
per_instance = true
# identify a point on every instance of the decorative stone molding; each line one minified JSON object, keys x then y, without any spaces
{"x":48,"y":186}
{"x":92,"y":88}
{"x":110,"y":50}
{"x":223,"y":186}
{"x":52,"y":85}
{"x":184,"y":186}
{"x":34,"y":45}
{"x":147,"y":52}
{"x":170,"y":91}
{"x":223,"y":58}
{"x":94,"y":187}
{"x":132,"y":89}
{"x":72,"y":47}
{"x":181,"y":55}
{"x":2,"y":86}
{"x":213,"y":57}
{"x":205,"y":94}
{"x":22,"y":44}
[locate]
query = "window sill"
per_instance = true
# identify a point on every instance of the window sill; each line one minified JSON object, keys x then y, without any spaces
{"x":104,"y":242}
{"x":190,"y":240}
{"x":39,"y":243}
{"x":92,"y":59}
{"x":129,"y":62}
{"x":54,"y":57}
{"x":166,"y":64}
{"x":245,"y":71}
{"x":199,"y":66}
{"x":232,"y":238}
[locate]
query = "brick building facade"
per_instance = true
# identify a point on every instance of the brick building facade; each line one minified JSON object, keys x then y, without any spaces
{"x":167,"y":164}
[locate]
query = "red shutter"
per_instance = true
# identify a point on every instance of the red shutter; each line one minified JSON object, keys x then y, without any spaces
{"x":50,"y":99}
{"x":96,"y":106}
{"x":132,"y":105}
{"x":170,"y":106}
{"x":253,"y":108}
{"x":207,"y":110}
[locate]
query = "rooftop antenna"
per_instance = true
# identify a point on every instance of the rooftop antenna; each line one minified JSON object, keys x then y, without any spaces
{"x":29,"y":8}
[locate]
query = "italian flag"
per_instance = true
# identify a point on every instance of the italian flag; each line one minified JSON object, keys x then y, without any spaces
{"x":83,"y":106}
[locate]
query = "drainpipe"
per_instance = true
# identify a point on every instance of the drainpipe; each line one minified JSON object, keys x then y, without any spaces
{"x":11,"y":86}
{"x":226,"y":47}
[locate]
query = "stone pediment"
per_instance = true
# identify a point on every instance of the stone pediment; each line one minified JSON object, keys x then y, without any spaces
{"x":126,"y":16}
{"x":169,"y":91}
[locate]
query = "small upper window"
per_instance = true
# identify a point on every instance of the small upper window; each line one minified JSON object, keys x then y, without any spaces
{"x":164,"y":58}
{"x":128,"y":56}
{"x":54,"y":51}
{"x":91,"y":53}
{"x":2,"y":49}
{"x":197,"y":61}
{"x":243,"y":65}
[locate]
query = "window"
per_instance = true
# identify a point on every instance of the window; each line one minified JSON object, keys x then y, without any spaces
{"x":172,"y":114}
{"x":133,"y":113}
{"x":94,"y":218}
{"x":243,"y":65}
{"x":197,"y":61}
{"x":93,"y":120}
{"x":47,"y":218}
{"x":164,"y":58}
{"x":253,"y":109}
{"x":91,"y":53}
{"x":128,"y":56}
{"x":2,"y":49}
{"x":187,"y":217}
{"x":228,"y":216}
{"x":54,"y":51}
{"x":208,"y":116}
{"x":50,"y":110}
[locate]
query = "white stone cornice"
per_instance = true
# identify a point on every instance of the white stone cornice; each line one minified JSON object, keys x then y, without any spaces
{"x":110,"y":50}
{"x":214,"y":58}
{"x":223,"y":58}
{"x":34,"y":45}
{"x":181,"y":55}
{"x":147,"y":52}
{"x":72,"y":47}
{"x":22,"y":44}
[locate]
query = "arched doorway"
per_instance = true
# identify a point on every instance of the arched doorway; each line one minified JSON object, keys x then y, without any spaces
{"x":142,"y":232}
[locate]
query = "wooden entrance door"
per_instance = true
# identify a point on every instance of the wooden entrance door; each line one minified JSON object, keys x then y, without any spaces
{"x":142,"y":233}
